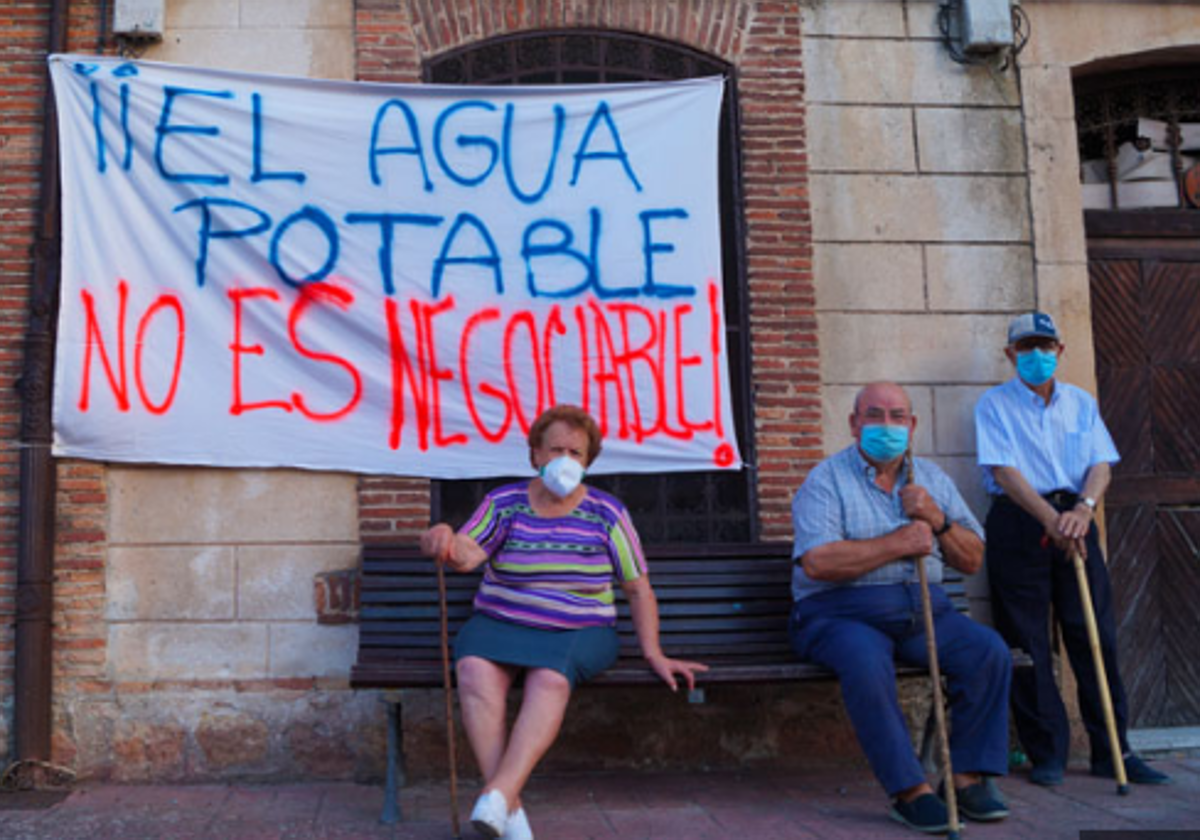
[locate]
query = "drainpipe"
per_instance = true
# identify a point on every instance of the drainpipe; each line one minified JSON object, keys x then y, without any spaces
{"x":35,"y":529}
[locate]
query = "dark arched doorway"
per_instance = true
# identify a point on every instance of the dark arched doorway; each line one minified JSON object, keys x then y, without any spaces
{"x":1139,"y":140}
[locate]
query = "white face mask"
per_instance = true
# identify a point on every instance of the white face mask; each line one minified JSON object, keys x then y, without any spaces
{"x":562,"y":475}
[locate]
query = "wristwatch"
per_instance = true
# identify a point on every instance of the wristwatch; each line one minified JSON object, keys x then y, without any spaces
{"x":1089,"y":502}
{"x":946,"y":523}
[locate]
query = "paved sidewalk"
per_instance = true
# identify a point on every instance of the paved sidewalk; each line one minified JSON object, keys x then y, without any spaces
{"x":672,"y":806}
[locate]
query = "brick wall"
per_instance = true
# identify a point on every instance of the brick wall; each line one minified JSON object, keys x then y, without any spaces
{"x":79,"y":630}
{"x":22,"y":45}
{"x":763,"y":40}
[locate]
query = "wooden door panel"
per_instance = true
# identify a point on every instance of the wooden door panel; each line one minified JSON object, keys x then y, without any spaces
{"x":1131,"y":537}
{"x":1175,"y":409}
{"x":1115,"y":292}
{"x":1133,"y":550}
{"x":1146,"y":328}
{"x":1171,"y":316}
{"x":1125,"y":396}
{"x":1179,"y":575}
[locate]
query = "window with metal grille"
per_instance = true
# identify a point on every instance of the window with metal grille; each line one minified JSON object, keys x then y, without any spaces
{"x":1139,"y":139}
{"x":704,"y":507}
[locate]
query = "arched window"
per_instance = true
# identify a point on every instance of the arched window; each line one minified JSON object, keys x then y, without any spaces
{"x":1139,"y":138}
{"x":677,"y":508}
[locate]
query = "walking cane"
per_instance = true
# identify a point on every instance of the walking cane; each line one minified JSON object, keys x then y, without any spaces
{"x":451,"y":751}
{"x":1110,"y":720}
{"x":935,"y":675}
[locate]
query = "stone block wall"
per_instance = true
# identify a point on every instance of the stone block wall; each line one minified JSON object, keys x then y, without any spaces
{"x":797,"y":726}
{"x":900,"y":208}
{"x":922,"y":240}
{"x":226,"y":594}
{"x":292,"y":37}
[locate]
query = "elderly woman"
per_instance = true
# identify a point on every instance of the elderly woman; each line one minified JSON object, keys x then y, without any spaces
{"x":551,"y":548}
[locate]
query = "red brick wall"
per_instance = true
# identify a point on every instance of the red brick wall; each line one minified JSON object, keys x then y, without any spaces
{"x":389,"y":509}
{"x":22,"y":46}
{"x":763,"y":40}
{"x":80,"y":637}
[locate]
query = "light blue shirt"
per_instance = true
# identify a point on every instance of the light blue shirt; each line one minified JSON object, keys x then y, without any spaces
{"x":1053,"y":446}
{"x":841,"y":501}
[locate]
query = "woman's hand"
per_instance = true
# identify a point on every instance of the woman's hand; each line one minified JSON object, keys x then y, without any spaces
{"x":438,"y":541}
{"x":462,"y":554}
{"x":644,"y":609}
{"x":667,"y":668}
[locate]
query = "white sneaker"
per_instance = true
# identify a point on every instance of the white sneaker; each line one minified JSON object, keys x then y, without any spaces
{"x":490,"y":816}
{"x":518,"y":827}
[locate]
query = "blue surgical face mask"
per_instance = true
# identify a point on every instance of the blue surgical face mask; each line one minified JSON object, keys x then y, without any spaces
{"x":884,"y":443}
{"x":1036,"y":367}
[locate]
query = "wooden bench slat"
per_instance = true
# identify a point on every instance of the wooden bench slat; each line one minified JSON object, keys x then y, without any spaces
{"x":668,"y":609}
{"x":674,"y":623}
{"x":671,"y":641}
{"x":723,"y":605}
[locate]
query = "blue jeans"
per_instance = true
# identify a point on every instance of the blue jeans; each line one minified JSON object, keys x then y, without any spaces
{"x":860,"y":631}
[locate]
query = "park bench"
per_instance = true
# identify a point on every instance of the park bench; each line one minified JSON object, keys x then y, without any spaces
{"x":724,"y":605}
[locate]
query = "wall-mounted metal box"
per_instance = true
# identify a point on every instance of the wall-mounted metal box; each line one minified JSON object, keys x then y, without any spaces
{"x":987,"y":25}
{"x":139,"y":19}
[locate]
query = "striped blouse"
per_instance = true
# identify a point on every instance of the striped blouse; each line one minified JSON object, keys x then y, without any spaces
{"x":555,"y":573}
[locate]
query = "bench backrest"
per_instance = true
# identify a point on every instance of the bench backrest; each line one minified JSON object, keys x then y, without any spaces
{"x":725,"y":605}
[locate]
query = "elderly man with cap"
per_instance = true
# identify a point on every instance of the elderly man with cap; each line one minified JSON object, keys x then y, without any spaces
{"x":861,"y":528}
{"x":1046,"y":457}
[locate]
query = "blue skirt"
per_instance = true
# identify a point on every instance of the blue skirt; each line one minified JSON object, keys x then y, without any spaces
{"x":578,"y":655}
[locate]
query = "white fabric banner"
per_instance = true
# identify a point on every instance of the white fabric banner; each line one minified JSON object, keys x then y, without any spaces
{"x":270,"y":271}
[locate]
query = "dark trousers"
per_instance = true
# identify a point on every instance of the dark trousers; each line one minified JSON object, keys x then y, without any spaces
{"x":860,"y":631}
{"x":1027,"y":578}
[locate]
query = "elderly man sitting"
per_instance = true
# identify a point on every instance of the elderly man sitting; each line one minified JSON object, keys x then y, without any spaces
{"x":860,"y":528}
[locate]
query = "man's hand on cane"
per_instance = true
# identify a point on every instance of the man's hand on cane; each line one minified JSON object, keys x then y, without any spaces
{"x":1068,"y":531}
{"x":919,"y":505}
{"x":914,"y":540}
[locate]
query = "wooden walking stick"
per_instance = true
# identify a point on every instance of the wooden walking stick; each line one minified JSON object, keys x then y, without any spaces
{"x":935,"y":675}
{"x":1110,"y":720}
{"x":451,"y":750}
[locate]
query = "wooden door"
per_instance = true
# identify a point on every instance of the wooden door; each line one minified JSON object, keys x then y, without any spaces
{"x":1145,"y":299}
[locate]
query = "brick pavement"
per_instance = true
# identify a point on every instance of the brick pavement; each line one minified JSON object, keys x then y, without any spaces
{"x":760,"y":805}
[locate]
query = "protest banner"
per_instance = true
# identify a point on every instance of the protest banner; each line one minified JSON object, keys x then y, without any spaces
{"x":271,"y":271}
